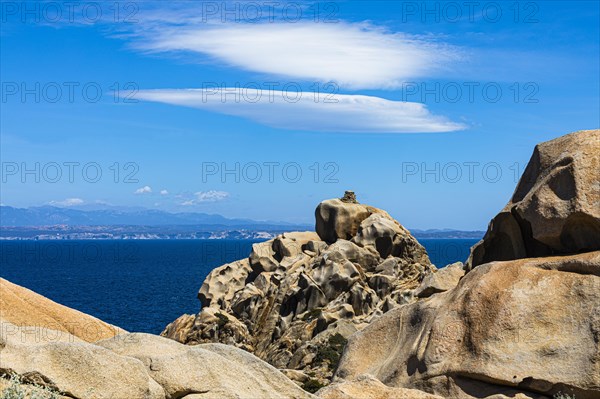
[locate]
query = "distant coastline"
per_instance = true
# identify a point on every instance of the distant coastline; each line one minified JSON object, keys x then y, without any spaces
{"x":200,"y":232}
{"x":119,"y":223}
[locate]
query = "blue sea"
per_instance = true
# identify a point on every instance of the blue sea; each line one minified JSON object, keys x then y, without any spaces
{"x":141,"y":285}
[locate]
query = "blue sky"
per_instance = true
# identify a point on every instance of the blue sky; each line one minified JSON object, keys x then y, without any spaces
{"x":429,"y":110}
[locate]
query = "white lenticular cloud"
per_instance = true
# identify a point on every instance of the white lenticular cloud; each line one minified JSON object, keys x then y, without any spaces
{"x":143,"y":190}
{"x":164,"y":192}
{"x":354,"y":55}
{"x":300,"y":111}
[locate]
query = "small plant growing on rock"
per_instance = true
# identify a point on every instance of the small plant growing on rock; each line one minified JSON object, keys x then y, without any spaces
{"x":312,"y":386}
{"x":333,"y":351}
{"x":338,"y":341}
{"x":222,"y":320}
{"x":328,"y":354}
{"x":561,"y":395}
{"x":18,"y":389}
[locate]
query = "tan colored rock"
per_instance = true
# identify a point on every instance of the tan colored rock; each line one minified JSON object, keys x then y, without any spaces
{"x":295,"y":375}
{"x":222,"y":283}
{"x":181,"y":328}
{"x":442,"y":280}
{"x":23,"y":307}
{"x":211,"y":370}
{"x":32,"y":335}
{"x":367,"y":387}
{"x":292,"y":244}
{"x":269,"y":255}
{"x":555,"y":208}
{"x":77,"y":369}
{"x":262,"y":257}
{"x":298,"y":291}
{"x":336,"y":219}
{"x":381,"y":233}
{"x":136,"y":366}
{"x":528,"y":327}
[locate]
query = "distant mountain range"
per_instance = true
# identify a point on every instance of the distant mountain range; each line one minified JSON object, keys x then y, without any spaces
{"x":118,"y":216}
{"x":110,"y":222}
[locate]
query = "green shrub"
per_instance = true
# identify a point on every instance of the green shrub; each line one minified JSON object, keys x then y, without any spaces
{"x":333,"y":351}
{"x":328,"y":354}
{"x":17,"y":389}
{"x":337,"y":340}
{"x":312,"y":386}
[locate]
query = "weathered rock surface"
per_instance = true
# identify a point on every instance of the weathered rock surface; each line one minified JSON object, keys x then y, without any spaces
{"x":555,"y":208}
{"x":22,"y":307}
{"x":367,"y":387}
{"x":206,"y":371}
{"x":135,"y":366}
{"x":297,"y":297}
{"x":523,"y":322}
{"x":76,"y":369}
{"x":528,"y":327}
{"x":442,"y":280}
{"x":337,"y":219}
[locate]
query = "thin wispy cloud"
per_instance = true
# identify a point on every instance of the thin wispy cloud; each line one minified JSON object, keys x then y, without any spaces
{"x":67,"y":202}
{"x":206,"y":196}
{"x":354,"y":55}
{"x":336,"y":113}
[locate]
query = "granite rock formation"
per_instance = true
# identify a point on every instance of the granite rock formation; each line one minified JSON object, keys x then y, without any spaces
{"x":528,"y":326}
{"x":520,"y":323}
{"x":298,"y":297}
{"x":555,"y":208}
{"x":135,"y":366}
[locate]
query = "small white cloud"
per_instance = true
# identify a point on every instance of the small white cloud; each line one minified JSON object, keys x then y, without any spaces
{"x":143,"y":190}
{"x":290,"y":110}
{"x":164,"y":192}
{"x":211,"y":196}
{"x":203,"y":196}
{"x":67,"y":202}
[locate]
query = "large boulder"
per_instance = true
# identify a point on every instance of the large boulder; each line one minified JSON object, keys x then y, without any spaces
{"x":527,"y":327}
{"x":555,"y":208}
{"x":336,"y":219}
{"x":206,"y":371}
{"x":22,"y":307}
{"x":38,"y":361}
{"x":442,"y":280}
{"x":73,"y":367}
{"x":299,"y":295}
